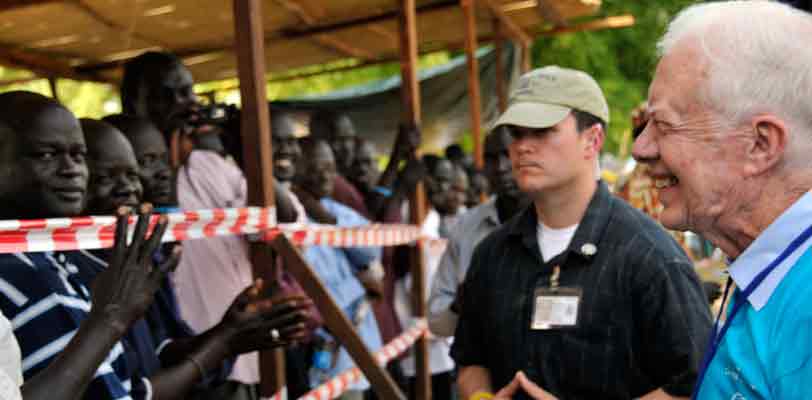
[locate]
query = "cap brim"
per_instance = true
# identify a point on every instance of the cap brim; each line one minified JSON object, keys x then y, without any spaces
{"x":533,"y":115}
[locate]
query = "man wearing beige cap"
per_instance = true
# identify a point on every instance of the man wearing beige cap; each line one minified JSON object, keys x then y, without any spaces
{"x":579,"y":296}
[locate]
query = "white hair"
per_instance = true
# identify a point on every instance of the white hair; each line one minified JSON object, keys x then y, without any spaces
{"x":758,"y":59}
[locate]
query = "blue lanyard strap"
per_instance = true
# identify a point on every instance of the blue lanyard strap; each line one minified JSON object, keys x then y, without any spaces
{"x":717,"y":335}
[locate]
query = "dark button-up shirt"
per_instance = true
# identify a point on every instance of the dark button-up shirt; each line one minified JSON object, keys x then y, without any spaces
{"x":643,"y":318}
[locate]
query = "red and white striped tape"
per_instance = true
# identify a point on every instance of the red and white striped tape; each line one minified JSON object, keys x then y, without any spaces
{"x":334,"y":236}
{"x":95,"y":232}
{"x":336,"y":386}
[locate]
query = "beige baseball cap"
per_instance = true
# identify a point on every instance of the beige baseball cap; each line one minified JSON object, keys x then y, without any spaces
{"x":545,"y":96}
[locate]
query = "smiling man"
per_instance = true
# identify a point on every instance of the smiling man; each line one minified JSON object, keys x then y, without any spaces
{"x":113,"y":168}
{"x":728,"y":144}
{"x":64,"y":342}
{"x":579,"y":296}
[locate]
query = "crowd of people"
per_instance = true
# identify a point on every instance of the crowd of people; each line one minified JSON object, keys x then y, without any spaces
{"x":543,"y":284}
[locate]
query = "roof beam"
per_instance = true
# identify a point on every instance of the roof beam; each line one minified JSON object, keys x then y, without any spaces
{"x":550,"y":13}
{"x":9,"y":5}
{"x":92,"y":13}
{"x":614,"y":22}
{"x":326,"y":40}
{"x":513,"y":29}
{"x":383,"y":17}
{"x":42,"y":65}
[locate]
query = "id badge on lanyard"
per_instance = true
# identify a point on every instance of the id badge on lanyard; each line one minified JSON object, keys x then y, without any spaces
{"x":555,"y":307}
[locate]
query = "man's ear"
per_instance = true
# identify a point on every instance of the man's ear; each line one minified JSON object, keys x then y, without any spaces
{"x":593,"y":141}
{"x":767,"y":145}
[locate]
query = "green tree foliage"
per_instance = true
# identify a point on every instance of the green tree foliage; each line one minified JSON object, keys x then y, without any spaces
{"x":621,"y":60}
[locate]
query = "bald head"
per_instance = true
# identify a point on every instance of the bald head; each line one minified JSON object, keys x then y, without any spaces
{"x":114,"y":170}
{"x":42,"y":158}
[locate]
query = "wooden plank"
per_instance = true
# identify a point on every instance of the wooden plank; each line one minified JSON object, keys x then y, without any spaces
{"x":336,"y":321}
{"x":326,"y":40}
{"x":510,"y":26}
{"x":257,"y":153}
{"x":373,"y":19}
{"x":526,"y":58}
{"x":614,"y":22}
{"x":499,"y":52}
{"x":53,"y":83}
{"x":8,"y":5}
{"x":412,"y":114}
{"x":343,"y":47}
{"x":92,"y":13}
{"x":474,"y":95}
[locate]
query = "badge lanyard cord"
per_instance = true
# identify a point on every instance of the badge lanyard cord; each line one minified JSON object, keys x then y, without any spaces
{"x":716,"y":339}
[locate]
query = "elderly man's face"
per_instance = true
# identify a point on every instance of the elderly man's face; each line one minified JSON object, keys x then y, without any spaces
{"x":44,"y":172}
{"x":692,"y":156}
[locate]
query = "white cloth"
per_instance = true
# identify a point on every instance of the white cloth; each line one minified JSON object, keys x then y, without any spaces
{"x":553,"y":242}
{"x":213,"y":271}
{"x":439,"y":347}
{"x":11,"y":370}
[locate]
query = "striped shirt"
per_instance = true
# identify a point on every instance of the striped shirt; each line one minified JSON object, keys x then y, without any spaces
{"x":643,"y":319}
{"x":42,"y":295}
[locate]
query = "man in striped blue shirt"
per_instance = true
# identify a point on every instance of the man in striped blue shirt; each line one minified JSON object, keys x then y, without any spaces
{"x":68,"y":348}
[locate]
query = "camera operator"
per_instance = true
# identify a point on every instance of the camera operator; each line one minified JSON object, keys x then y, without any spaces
{"x":158,"y":86}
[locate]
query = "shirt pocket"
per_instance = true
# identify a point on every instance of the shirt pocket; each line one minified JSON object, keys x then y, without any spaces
{"x":590,"y":361}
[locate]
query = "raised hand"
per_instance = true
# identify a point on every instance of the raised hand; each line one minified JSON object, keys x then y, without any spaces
{"x":406,"y":142}
{"x":256,"y":322}
{"x":123,"y":292}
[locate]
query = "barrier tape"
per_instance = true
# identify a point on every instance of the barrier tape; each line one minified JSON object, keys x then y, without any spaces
{"x":95,"y":232}
{"x":336,"y":386}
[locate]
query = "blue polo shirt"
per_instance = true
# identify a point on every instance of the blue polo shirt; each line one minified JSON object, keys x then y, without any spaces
{"x":43,"y":296}
{"x":767,"y":351}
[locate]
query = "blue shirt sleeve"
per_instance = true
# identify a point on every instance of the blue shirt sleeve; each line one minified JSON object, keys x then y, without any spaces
{"x":360,"y":257}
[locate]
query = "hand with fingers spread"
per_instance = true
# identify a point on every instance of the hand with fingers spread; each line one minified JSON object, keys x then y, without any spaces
{"x":257,"y":322}
{"x":124,"y":291}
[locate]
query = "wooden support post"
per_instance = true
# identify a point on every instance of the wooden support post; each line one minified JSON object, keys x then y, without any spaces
{"x":256,"y":139}
{"x":527,"y":58}
{"x":336,"y":321}
{"x":474,"y":95}
{"x":410,"y":104}
{"x":53,"y":82}
{"x":499,"y":51}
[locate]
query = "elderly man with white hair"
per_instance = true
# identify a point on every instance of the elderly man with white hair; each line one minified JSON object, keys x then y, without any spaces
{"x":729,"y":144}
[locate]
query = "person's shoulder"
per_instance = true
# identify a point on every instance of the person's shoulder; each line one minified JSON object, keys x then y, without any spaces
{"x":502,"y":235}
{"x":472,"y":217}
{"x":344,"y":214}
{"x":643,"y":232}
